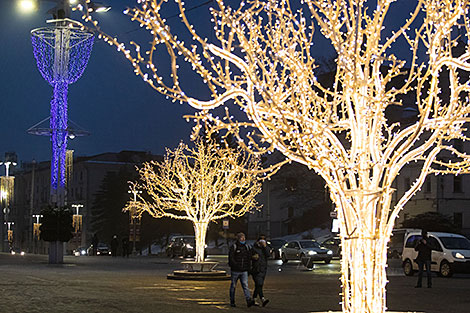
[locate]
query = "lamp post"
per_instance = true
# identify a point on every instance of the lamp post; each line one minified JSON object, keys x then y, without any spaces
{"x":62,"y":52}
{"x":134,"y":220}
{"x":36,"y":231}
{"x":6,"y":196}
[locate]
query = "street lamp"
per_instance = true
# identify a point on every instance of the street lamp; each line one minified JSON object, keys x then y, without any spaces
{"x":134,"y":219}
{"x":36,"y":225}
{"x":62,"y":52}
{"x":7,"y":166}
{"x":77,"y":218}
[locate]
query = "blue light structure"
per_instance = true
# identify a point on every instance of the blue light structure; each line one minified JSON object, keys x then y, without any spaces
{"x":62,"y":53}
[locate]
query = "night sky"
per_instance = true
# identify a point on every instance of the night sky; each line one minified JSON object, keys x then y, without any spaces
{"x":117,"y":107}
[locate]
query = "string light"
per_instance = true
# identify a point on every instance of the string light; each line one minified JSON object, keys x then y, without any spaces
{"x":61,"y":54}
{"x":261,"y":62}
{"x":200,"y":185}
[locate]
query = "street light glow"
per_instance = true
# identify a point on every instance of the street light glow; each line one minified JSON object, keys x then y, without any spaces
{"x":102,"y":9}
{"x":27,"y":6}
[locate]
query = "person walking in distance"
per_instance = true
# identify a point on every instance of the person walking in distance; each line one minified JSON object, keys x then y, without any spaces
{"x":239,"y":259}
{"x":94,"y":243}
{"x":259,"y":267}
{"x":114,"y":246}
{"x":424,"y":258}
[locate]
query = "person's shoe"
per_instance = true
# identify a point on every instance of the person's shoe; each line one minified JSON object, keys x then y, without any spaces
{"x":250,"y":303}
{"x":265,"y":301}
{"x":232,"y":305}
{"x":417,"y":286}
{"x":429,"y":286}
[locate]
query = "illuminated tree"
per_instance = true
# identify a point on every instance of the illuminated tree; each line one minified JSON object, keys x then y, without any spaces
{"x":261,"y":62}
{"x":202,"y":185}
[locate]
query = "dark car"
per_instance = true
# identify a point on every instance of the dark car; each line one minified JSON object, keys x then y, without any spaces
{"x":275,"y":247}
{"x":334,"y":244}
{"x":101,"y":249}
{"x":184,"y":246}
{"x":299,"y":249}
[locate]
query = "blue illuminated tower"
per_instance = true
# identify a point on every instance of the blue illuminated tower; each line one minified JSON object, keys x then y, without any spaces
{"x":62,"y":52}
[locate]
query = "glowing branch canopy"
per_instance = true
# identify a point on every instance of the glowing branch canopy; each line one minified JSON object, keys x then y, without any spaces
{"x":261,"y":62}
{"x":200,"y":185}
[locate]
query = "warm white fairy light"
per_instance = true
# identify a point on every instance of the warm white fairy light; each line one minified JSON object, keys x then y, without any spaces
{"x":201,"y":185}
{"x":262,"y":61}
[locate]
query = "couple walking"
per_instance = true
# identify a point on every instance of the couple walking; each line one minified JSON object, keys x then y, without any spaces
{"x":243,"y":259}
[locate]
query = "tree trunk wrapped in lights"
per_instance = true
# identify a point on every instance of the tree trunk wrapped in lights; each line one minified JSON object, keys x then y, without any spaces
{"x":261,"y":61}
{"x":202,"y":185}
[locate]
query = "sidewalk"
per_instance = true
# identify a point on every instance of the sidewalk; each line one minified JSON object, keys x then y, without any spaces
{"x":139,"y":284}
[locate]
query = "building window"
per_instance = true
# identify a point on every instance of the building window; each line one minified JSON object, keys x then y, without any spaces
{"x":458,"y":220}
{"x":458,"y":183}
{"x":291,"y":184}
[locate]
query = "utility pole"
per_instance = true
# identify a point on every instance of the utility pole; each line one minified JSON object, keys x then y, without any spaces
{"x":134,"y":220}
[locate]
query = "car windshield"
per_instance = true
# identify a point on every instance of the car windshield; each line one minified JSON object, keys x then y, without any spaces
{"x":455,"y":243}
{"x":309,"y":244}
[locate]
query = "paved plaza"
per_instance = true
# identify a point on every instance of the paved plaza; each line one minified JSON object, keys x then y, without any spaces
{"x":139,"y":284}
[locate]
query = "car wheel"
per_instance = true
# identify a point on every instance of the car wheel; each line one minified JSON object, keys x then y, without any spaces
{"x":283,"y":258}
{"x":327,"y":261}
{"x":445,"y":270}
{"x":408,"y":268}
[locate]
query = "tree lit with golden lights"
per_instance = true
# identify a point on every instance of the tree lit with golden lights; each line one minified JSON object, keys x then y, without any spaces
{"x":261,"y":62}
{"x":201,"y":184}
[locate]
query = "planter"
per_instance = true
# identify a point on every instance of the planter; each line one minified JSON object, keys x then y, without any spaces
{"x":199,"y":271}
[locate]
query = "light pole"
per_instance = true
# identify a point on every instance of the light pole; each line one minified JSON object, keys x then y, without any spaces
{"x":62,"y":52}
{"x":36,"y":231}
{"x":134,"y":219}
{"x":6,"y":196}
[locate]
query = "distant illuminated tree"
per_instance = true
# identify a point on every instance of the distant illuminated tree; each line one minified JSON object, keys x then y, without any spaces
{"x":202,"y":185}
{"x":261,"y":62}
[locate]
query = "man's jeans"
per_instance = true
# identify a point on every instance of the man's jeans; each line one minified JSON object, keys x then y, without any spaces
{"x":243,"y":276}
{"x":420,"y":273}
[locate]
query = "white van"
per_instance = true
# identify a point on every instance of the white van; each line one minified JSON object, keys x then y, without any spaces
{"x":450,"y":254}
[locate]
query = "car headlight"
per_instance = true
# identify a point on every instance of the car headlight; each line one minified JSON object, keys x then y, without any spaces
{"x":329,"y":252}
{"x":109,"y":252}
{"x":189,"y":246}
{"x":13,"y":252}
{"x":76,"y":253}
{"x":458,"y":255}
{"x":98,"y":253}
{"x":311,"y":253}
{"x":83,"y":252}
{"x":22,"y":253}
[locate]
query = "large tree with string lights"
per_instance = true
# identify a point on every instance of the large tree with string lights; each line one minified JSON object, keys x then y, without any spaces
{"x":202,"y":184}
{"x":261,"y":62}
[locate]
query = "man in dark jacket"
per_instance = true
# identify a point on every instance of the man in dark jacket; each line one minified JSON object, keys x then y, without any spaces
{"x":260,"y":255}
{"x":239,"y":260}
{"x":424,"y":258}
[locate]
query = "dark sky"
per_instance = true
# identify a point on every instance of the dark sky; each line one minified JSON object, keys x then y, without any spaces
{"x":117,"y":107}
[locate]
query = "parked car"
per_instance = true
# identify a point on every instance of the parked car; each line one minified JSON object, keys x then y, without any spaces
{"x":182,"y":246}
{"x":450,"y":254}
{"x":101,"y":249}
{"x":298,"y":249}
{"x":81,"y":251}
{"x":275,"y":247}
{"x":17,"y":251}
{"x":334,"y":244}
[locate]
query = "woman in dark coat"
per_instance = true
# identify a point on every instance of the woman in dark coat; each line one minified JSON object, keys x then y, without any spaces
{"x":260,"y":255}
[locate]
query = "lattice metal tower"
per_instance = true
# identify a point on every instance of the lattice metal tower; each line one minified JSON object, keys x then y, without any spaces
{"x":62,"y":53}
